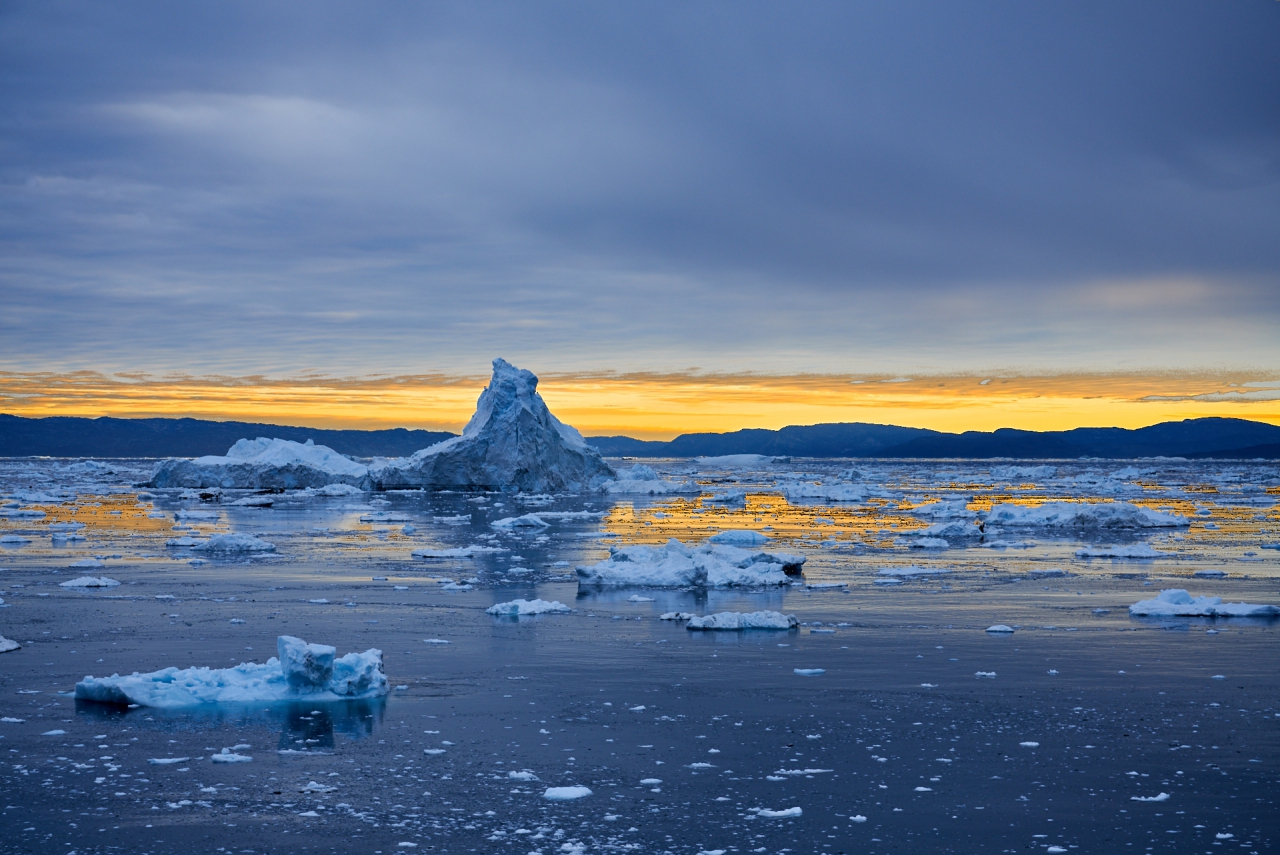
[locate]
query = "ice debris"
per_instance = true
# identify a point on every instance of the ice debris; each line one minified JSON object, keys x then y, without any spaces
{"x":732,"y":461}
{"x":303,"y":671}
{"x":1176,"y":602}
{"x":234,"y":543}
{"x":8,"y":645}
{"x":1000,"y":628}
{"x":1140,"y":551}
{"x":261,"y":464}
{"x":1083,"y":515}
{"x":564,"y":794}
{"x":526,"y":607}
{"x":743,"y":620}
{"x":778,"y":814}
{"x":643,"y":479}
{"x":458,"y":551}
{"x":512,"y":442}
{"x":675,"y":565}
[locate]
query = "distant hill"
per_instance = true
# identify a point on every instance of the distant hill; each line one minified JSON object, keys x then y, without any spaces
{"x":1192,"y":438}
{"x":67,"y":436}
{"x":62,"y":436}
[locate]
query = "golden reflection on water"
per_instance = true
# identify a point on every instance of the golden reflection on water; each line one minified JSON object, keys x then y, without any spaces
{"x":117,"y":512}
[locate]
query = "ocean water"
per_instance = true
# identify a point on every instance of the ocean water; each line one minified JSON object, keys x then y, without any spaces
{"x":1085,"y":729}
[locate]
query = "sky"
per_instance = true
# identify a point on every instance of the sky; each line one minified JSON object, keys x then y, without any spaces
{"x":681,"y":216}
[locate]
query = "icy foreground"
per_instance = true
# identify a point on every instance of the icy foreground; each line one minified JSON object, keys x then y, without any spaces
{"x":512,"y":442}
{"x":303,"y":671}
{"x":732,"y":621}
{"x":1176,"y":602}
{"x":264,"y":464}
{"x":676,"y":565}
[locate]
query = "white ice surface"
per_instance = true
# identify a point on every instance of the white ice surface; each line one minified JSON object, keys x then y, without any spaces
{"x":644,"y":480}
{"x":563,"y":794}
{"x":675,"y":565}
{"x":293,"y":677}
{"x":7,"y":645}
{"x":89,"y":582}
{"x":234,"y":543}
{"x":733,"y":461}
{"x":527,"y":607}
{"x":1132,"y":550}
{"x":1082,"y":515}
{"x":740,"y":537}
{"x":458,"y":551}
{"x":262,"y":463}
{"x":1176,"y":602}
{"x":913,"y":571}
{"x":743,"y":620}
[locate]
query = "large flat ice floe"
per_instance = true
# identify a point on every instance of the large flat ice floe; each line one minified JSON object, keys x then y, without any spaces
{"x":675,"y":565}
{"x":1083,"y":515}
{"x":1176,"y":602}
{"x":516,"y":608}
{"x":731,"y":621}
{"x":302,"y":672}
{"x":263,"y":464}
{"x":513,"y":442}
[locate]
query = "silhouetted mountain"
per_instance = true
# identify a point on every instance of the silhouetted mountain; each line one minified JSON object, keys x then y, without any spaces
{"x":1192,"y":438}
{"x":66,"y":436}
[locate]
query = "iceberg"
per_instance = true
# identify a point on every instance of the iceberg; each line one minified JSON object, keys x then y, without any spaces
{"x":233,"y":543}
{"x":676,"y":565}
{"x":1176,"y":602}
{"x":516,"y":608}
{"x":1083,"y":515}
{"x":263,"y":464}
{"x":743,"y":620}
{"x":303,"y":672}
{"x":513,"y":442}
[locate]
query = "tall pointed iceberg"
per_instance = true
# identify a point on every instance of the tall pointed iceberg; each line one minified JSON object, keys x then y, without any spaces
{"x":512,"y":442}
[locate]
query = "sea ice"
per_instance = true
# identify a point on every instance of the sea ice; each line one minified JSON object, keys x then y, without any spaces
{"x":526,"y":607}
{"x":798,"y":492}
{"x":513,"y":442}
{"x":564,"y":794}
{"x":89,"y":582}
{"x":262,"y":463}
{"x":229,"y":756}
{"x":1000,"y":628}
{"x":528,"y":521}
{"x":740,"y":537}
{"x":8,"y":645}
{"x":1006,"y":473}
{"x":86,"y":562}
{"x":1162,"y":797}
{"x":642,"y":479}
{"x":732,"y":461}
{"x":809,"y":672}
{"x":779,"y":814}
{"x":293,"y":676}
{"x":676,"y":565}
{"x":234,"y":543}
{"x":1176,"y":602}
{"x":458,"y":551}
{"x":1083,"y":515}
{"x":743,"y":620}
{"x":1134,"y":550}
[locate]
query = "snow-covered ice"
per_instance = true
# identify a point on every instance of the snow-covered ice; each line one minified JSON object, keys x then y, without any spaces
{"x":262,"y":463}
{"x":563,"y":794}
{"x":1140,"y":551}
{"x":526,"y":607}
{"x":237,"y":542}
{"x":1082,"y":515}
{"x":644,"y":480}
{"x":89,"y":582}
{"x":743,"y":620}
{"x":740,"y":537}
{"x":1000,"y":628}
{"x":1176,"y":602}
{"x":675,"y":565}
{"x":458,"y":551}
{"x":528,"y":521}
{"x":7,"y":645}
{"x":303,"y":671}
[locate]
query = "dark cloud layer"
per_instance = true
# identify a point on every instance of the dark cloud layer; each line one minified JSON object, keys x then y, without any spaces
{"x":349,"y":187}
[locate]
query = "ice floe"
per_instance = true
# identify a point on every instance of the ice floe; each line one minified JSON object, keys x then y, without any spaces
{"x":1082,"y":515}
{"x":526,"y":607}
{"x":675,"y":565}
{"x":743,"y":620}
{"x":1176,"y":602}
{"x":1000,"y":628}
{"x":89,"y":582}
{"x":458,"y":551}
{"x":796,"y":491}
{"x":644,"y":480}
{"x":8,"y":645}
{"x":734,"y":461}
{"x":512,"y":442}
{"x":740,"y":537}
{"x":303,"y":671}
{"x":1138,"y":551}
{"x":563,"y":794}
{"x":234,"y":543}
{"x":913,"y":571}
{"x":778,"y":814}
{"x":262,"y":463}
{"x":528,"y":521}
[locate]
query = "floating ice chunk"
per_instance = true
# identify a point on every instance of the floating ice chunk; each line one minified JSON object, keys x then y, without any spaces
{"x":798,"y":492}
{"x":234,"y":543}
{"x":564,"y":794}
{"x":356,"y":675}
{"x":913,"y":571}
{"x":14,"y":540}
{"x":1029,"y":744}
{"x":858,"y":818}
{"x":989,"y":674}
{"x":229,"y":756}
{"x":953,"y":528}
{"x":86,"y":563}
{"x":1162,"y":797}
{"x":458,"y":551}
{"x":999,"y":627}
{"x":8,"y":645}
{"x":677,"y":616}
{"x":196,"y":516}
{"x":779,"y":814}
{"x":1133,"y":550}
{"x":651,"y":782}
{"x":512,"y":442}
{"x":335,"y":490}
{"x":254,"y":502}
{"x":435,"y":641}
{"x":740,"y":537}
{"x":809,"y":672}
{"x":262,"y":463}
{"x":54,"y":733}
{"x":676,"y":565}
{"x":930,"y":543}
{"x":1083,"y":515}
{"x":433,"y":752}
{"x":305,"y":666}
{"x":1176,"y":602}
{"x":797,"y":772}
{"x":526,"y":521}
{"x":1210,"y":574}
{"x":642,"y":479}
{"x":1006,"y":473}
{"x":743,"y":620}
{"x":636,"y":598}
{"x":526,"y":607}
{"x":953,"y":509}
{"x":167,"y":761}
{"x":526,"y":775}
{"x":184,"y":542}
{"x":924,"y":789}
{"x":89,"y":582}
{"x":735,"y":461}
{"x":728,"y":498}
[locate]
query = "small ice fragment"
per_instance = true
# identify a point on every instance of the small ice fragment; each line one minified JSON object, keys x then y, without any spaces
{"x":228,"y":756}
{"x":780,"y":814}
{"x":858,"y":818}
{"x":984,"y":674}
{"x":54,"y":733}
{"x":435,"y":641}
{"x":526,"y":607}
{"x":1162,"y":797}
{"x":167,"y":761}
{"x":89,"y":582}
{"x":651,"y":782}
{"x":809,"y":672}
{"x":562,"y":794}
{"x":1029,"y":744}
{"x":999,"y":627}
